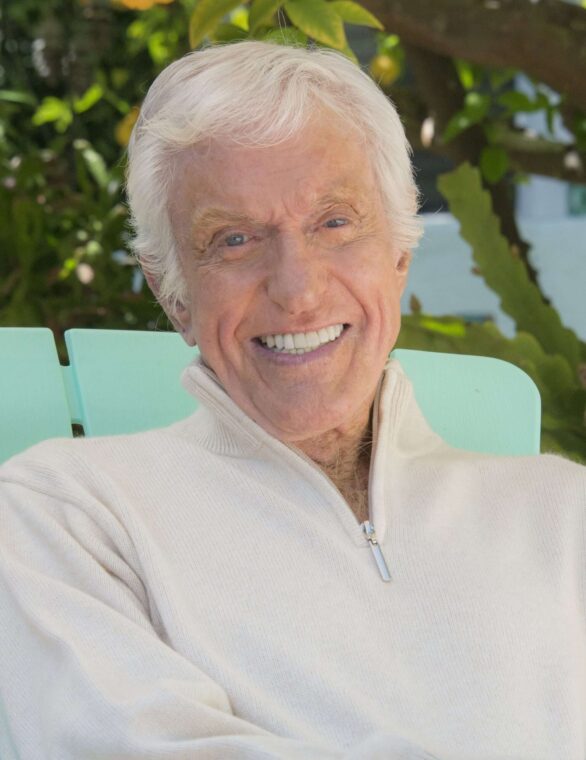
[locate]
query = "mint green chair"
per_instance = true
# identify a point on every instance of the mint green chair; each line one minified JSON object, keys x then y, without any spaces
{"x":127,"y":381}
{"x":122,"y":381}
{"x":33,"y":396}
{"x":476,"y":403}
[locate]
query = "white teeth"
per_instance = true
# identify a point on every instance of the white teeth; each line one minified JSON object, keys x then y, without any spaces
{"x":301,"y":343}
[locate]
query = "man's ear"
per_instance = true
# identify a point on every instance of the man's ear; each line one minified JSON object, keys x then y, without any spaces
{"x":402,"y":268}
{"x":179,"y":316}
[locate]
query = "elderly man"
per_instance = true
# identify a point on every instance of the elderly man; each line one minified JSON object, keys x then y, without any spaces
{"x":302,"y":569}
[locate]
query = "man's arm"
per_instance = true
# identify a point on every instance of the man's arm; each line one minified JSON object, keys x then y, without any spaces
{"x":83,"y":671}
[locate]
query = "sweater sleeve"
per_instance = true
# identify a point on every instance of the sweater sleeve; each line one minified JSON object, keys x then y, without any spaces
{"x":84,"y":672}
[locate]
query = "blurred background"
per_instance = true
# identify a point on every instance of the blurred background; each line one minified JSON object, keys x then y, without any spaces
{"x":493,"y":98}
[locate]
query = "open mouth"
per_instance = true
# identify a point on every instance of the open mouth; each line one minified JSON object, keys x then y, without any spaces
{"x":301,"y":343}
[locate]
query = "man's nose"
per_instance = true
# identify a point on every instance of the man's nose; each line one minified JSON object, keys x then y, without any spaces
{"x":298,"y":276}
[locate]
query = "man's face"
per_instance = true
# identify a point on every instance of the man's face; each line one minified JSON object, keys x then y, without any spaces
{"x":289,"y":246}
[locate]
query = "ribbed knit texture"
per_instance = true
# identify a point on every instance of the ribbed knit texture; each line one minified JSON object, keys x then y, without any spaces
{"x":204,"y":591}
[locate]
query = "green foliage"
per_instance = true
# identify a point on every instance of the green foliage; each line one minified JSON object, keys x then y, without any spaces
{"x":65,"y":116}
{"x":494,"y":162}
{"x":544,"y":348}
{"x":262,"y":13}
{"x":502,"y":270}
{"x":352,"y":13}
{"x":318,"y":20}
{"x":206,"y":16}
{"x":293,"y":22}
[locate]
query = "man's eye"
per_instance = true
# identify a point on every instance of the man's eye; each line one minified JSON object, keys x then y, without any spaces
{"x":236,"y":239}
{"x":336,"y":222}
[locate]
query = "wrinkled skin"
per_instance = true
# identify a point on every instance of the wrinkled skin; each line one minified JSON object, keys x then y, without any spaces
{"x":290,"y":238}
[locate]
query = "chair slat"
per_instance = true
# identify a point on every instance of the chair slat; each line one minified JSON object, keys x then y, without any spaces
{"x":127,"y":381}
{"x":33,"y":401}
{"x":476,"y":402}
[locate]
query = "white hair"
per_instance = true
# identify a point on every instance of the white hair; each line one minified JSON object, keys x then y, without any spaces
{"x":255,"y":94}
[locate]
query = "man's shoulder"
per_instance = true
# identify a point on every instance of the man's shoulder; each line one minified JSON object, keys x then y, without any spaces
{"x":57,"y":463}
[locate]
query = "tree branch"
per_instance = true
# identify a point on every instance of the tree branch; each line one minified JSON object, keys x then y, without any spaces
{"x":546,"y":39}
{"x":440,"y":88}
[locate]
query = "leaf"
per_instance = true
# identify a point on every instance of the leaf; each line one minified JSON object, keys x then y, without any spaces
{"x":494,"y":162}
{"x":475,"y":109}
{"x":206,"y":16}
{"x":14,"y":96}
{"x":353,"y":13}
{"x":229,"y":33}
{"x":94,"y":162}
{"x":90,"y":97}
{"x":286,"y":36}
{"x":518,"y":102}
{"x":318,"y":20}
{"x":54,"y":110}
{"x":349,"y":53}
{"x":262,"y":12}
{"x":476,"y":105}
{"x":465,"y":74}
{"x":503,"y":273}
{"x":414,"y":304}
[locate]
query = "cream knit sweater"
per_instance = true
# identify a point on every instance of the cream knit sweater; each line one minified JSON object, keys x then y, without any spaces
{"x":203,"y":591}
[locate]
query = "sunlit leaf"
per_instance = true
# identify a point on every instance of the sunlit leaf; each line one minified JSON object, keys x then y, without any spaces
{"x":143,"y":5}
{"x":444,"y":328}
{"x":262,"y":12}
{"x":466,"y":74}
{"x":318,"y":20}
{"x":206,"y":16}
{"x":53,"y":110}
{"x":90,"y":97}
{"x":239,"y":17}
{"x":353,"y":13}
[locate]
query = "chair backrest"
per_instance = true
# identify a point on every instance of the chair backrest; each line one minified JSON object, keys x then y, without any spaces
{"x":476,"y":402}
{"x":127,"y":381}
{"x":123,"y":381}
{"x":33,"y":398}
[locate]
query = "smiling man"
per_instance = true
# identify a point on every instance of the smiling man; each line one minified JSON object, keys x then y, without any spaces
{"x":302,"y":569}
{"x":292,"y":285}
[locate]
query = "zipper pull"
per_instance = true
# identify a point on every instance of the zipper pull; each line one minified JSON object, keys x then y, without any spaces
{"x":368,"y":530}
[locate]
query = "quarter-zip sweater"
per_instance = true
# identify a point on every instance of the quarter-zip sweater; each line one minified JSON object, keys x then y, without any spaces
{"x":204,"y":591}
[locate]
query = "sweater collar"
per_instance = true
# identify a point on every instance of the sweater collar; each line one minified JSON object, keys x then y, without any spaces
{"x":399,"y":416}
{"x":400,"y":422}
{"x":400,"y":434}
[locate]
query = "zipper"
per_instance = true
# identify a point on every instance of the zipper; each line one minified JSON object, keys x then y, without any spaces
{"x":369,"y":532}
{"x":367,"y":526}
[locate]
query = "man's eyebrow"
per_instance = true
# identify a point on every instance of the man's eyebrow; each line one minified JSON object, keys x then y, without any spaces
{"x":210,"y":217}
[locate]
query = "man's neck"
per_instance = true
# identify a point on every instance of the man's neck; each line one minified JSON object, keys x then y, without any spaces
{"x":344,"y":456}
